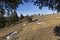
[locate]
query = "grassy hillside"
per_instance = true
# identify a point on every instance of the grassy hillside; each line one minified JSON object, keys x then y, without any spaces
{"x":43,"y":31}
{"x":38,"y":30}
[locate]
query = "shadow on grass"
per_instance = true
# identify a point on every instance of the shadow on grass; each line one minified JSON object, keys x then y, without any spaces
{"x":58,"y":39}
{"x":57,"y":31}
{"x":35,"y":20}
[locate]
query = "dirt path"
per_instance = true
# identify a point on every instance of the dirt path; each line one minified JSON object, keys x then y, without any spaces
{"x":8,"y":30}
{"x":33,"y":31}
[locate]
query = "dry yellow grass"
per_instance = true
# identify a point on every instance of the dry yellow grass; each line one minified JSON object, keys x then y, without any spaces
{"x":34,"y":31}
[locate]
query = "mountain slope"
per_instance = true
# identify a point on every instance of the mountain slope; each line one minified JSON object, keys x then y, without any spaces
{"x":42,"y":31}
{"x":38,"y":30}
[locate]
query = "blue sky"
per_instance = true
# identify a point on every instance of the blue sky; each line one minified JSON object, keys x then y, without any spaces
{"x":29,"y":8}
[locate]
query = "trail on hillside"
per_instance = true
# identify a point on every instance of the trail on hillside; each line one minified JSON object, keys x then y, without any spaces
{"x":38,"y":30}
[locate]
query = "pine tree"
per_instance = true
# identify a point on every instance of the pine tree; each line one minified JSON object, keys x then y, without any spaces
{"x":2,"y":19}
{"x":16,"y":18}
{"x":21,"y":16}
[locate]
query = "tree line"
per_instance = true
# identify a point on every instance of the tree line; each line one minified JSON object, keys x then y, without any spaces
{"x":10,"y":6}
{"x":13,"y":18}
{"x":8,"y":20}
